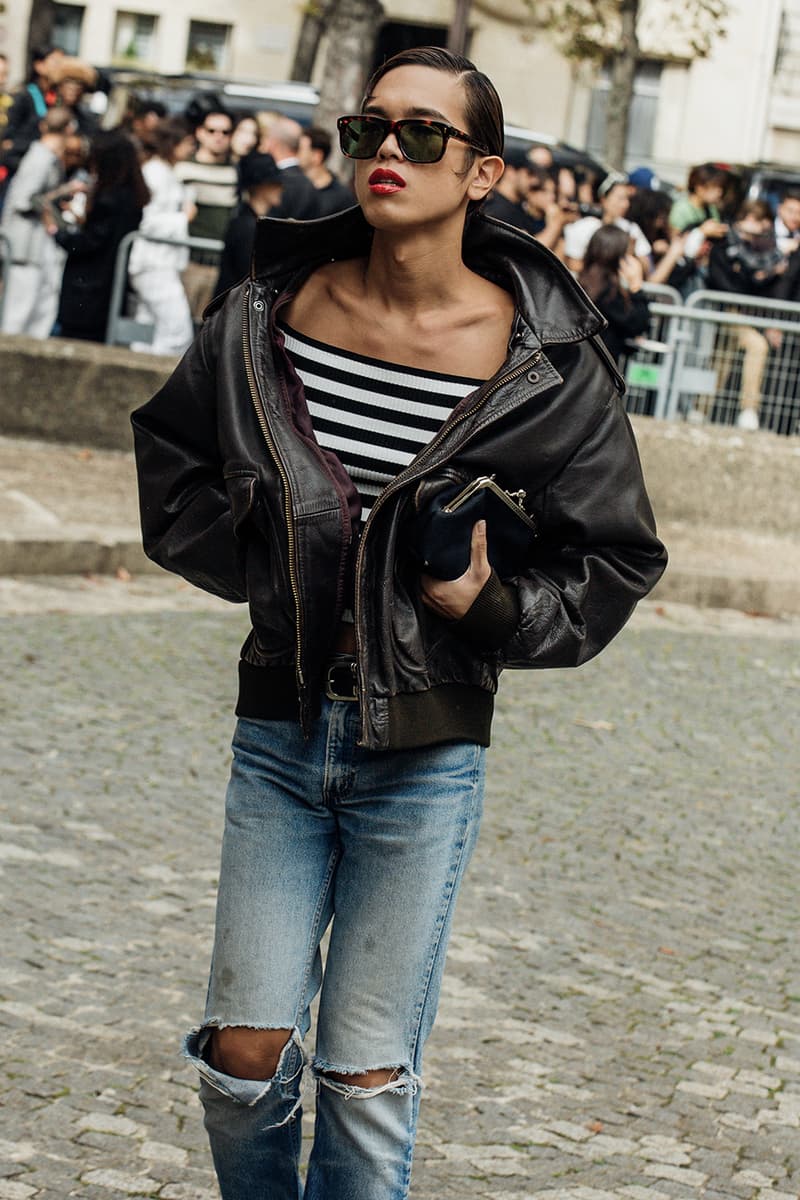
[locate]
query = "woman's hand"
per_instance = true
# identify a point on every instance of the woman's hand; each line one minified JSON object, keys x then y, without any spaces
{"x":451,"y":598}
{"x":631,"y":272}
{"x":712,"y":228}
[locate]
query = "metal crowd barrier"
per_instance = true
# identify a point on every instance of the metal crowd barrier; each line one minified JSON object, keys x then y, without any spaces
{"x":720,"y":352}
{"x":122,"y":327}
{"x":5,"y":262}
{"x":648,"y":366}
{"x":701,"y":359}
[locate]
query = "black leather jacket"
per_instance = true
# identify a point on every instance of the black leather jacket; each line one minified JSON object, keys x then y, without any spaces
{"x":237,"y":497}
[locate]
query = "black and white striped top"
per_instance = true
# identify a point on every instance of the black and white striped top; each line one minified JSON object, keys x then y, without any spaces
{"x":375,"y":416}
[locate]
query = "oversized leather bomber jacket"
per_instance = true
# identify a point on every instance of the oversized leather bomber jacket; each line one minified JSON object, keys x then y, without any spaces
{"x":238,"y":498}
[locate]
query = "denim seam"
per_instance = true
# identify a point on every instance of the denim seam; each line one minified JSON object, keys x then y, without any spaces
{"x":315,"y":937}
{"x":450,"y":901}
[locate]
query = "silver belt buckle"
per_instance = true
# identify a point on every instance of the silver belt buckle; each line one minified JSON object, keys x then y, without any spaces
{"x":332,"y":687}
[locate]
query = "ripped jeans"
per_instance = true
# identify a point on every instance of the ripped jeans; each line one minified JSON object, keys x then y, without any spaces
{"x":376,"y":843}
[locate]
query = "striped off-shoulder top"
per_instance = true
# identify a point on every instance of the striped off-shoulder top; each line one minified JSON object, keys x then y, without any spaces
{"x":375,"y":416}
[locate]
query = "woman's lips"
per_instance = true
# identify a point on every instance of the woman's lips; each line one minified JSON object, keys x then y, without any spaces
{"x":383,"y":182}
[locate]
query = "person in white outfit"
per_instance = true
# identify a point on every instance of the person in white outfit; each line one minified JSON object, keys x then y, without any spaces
{"x":613,"y":197}
{"x":154,"y":268}
{"x":33,"y":279}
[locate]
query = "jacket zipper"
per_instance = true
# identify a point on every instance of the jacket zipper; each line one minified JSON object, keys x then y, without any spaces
{"x":287,"y":498}
{"x":399,"y":482}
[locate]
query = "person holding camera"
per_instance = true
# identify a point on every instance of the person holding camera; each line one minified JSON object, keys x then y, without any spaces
{"x":613,"y":201}
{"x":550,"y":213}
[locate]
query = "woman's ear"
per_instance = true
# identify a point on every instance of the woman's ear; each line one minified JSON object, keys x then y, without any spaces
{"x":486,"y":175}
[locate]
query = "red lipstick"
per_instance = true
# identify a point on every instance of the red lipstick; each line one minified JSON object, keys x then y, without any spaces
{"x":383,"y":182}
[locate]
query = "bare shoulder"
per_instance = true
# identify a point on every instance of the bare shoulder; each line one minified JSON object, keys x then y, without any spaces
{"x":327,"y":300}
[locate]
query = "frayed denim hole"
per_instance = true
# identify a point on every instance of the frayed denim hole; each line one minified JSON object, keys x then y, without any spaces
{"x":406,"y":1083}
{"x":290,"y":1066}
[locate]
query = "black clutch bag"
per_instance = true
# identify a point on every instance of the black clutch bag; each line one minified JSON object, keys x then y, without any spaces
{"x":443,"y":531}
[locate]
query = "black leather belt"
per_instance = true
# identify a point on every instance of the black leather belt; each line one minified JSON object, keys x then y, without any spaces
{"x":341,"y":678}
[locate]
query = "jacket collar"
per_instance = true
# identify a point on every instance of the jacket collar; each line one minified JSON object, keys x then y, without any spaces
{"x":549,"y":299}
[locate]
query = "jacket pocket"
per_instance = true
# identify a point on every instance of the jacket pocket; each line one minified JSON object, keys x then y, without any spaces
{"x":241,"y":487}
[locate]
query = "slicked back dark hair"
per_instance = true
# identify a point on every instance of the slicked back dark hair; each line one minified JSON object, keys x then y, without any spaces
{"x":483,"y":111}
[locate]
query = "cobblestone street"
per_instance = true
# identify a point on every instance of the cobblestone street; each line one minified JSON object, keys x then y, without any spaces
{"x":621,"y":1011}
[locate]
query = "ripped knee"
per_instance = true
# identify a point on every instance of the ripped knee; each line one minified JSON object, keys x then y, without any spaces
{"x":366,"y":1079}
{"x":362,"y":1085}
{"x":246,"y":1053}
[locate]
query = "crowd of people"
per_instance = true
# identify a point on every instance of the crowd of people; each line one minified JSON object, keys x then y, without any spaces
{"x":616,"y":232}
{"x":70,"y":192}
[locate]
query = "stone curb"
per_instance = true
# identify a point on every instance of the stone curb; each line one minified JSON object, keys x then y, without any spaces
{"x":73,"y":556}
{"x":99,"y":555}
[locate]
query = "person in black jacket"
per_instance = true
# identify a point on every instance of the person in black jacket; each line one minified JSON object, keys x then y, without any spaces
{"x":261,"y":183}
{"x":281,"y":139}
{"x":371,"y":359}
{"x":507,"y":198}
{"x":612,"y":276}
{"x":114,"y":208}
{"x":332,"y":195}
{"x":28,"y":107}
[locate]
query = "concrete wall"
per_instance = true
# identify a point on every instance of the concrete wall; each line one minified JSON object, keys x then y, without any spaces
{"x":76,"y":392}
{"x":83,"y":393}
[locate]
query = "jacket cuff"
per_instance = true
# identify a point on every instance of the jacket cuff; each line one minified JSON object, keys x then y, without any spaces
{"x":492,"y":618}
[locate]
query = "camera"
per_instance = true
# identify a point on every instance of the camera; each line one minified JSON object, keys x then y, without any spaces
{"x":590,"y":210}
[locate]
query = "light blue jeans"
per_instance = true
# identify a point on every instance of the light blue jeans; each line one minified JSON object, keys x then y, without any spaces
{"x":376,"y":843}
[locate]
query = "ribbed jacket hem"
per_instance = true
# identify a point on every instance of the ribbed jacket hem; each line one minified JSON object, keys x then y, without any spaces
{"x":451,"y":712}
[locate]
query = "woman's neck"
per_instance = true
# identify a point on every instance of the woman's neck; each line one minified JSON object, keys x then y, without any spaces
{"x":414,"y":272}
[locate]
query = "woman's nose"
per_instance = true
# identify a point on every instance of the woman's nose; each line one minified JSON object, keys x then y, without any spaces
{"x":390,"y":147}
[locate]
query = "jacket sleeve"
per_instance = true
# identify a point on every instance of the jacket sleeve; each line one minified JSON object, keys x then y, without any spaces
{"x":726,"y":274}
{"x":599,"y":553}
{"x":187,"y":521}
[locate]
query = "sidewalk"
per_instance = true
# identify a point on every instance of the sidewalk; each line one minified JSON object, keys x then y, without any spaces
{"x":65,"y":510}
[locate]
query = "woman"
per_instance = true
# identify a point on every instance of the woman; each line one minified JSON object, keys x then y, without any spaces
{"x":154,"y":268}
{"x":244,"y":138}
{"x":612,"y":276}
{"x":116,"y":200}
{"x":747,"y":261}
{"x":364,"y":366}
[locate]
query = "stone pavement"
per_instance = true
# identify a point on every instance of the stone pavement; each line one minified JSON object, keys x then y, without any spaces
{"x":621,"y":1010}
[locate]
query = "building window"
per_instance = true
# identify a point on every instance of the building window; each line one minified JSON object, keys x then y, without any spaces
{"x":394,"y":36}
{"x":208,"y":46}
{"x":67,"y":22}
{"x":134,"y":37}
{"x":642,"y":119}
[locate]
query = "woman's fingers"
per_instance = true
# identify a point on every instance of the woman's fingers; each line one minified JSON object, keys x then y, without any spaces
{"x":479,"y":554}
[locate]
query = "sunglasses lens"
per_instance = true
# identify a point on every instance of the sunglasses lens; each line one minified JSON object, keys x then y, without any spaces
{"x":361,"y":137}
{"x":421,"y":143}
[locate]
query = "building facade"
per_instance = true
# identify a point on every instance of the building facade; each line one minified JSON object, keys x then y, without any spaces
{"x":741,"y":104}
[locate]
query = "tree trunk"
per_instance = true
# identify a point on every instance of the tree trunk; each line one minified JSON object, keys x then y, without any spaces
{"x":315,"y":15}
{"x":620,"y":96}
{"x":40,"y":25}
{"x":352,"y":29}
{"x":459,"y":28}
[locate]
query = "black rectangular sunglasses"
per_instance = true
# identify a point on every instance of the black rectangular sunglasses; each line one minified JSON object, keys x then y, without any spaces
{"x":421,"y":140}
